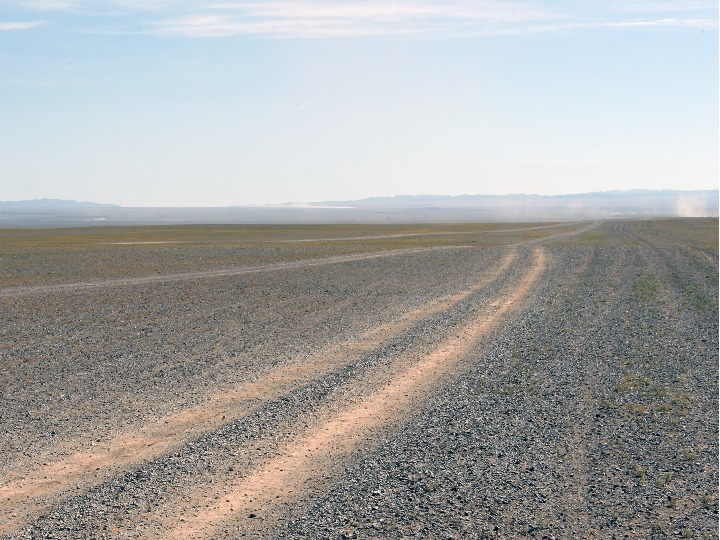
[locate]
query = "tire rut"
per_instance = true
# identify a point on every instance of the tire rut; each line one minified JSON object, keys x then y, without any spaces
{"x":31,"y":490}
{"x":245,"y":270}
{"x":411,"y":235}
{"x":206,"y":274}
{"x":581,"y":436}
{"x":316,"y":453}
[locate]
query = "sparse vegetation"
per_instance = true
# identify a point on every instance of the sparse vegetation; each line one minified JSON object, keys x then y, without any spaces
{"x":640,"y":472}
{"x":707,"y":501}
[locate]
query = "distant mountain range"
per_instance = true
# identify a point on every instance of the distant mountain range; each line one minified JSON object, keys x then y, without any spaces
{"x":640,"y":199}
{"x":54,"y":203}
{"x":596,"y":205}
{"x":632,"y":204}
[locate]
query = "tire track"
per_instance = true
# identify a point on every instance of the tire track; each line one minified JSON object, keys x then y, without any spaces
{"x":690,"y":287}
{"x":31,"y":490}
{"x":208,"y":274}
{"x":352,"y":238}
{"x":576,"y":501}
{"x":314,"y":454}
{"x":411,"y":235}
{"x":708,"y":258}
{"x":271,"y":267}
{"x":560,"y":236}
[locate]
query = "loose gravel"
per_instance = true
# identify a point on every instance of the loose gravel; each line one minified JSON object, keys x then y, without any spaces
{"x":591,"y":412}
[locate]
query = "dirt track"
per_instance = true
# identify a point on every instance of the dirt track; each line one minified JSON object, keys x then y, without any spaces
{"x":314,"y":453}
{"x":203,"y":274}
{"x":574,"y":374}
{"x":161,"y":435}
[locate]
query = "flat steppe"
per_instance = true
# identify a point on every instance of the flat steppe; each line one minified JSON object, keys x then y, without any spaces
{"x":360,"y":381}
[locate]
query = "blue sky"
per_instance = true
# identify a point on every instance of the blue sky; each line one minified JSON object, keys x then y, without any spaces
{"x":192,"y":103}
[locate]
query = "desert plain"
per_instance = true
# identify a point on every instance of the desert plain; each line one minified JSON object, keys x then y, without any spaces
{"x":549,"y":380}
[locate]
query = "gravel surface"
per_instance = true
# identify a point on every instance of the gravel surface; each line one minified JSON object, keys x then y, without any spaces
{"x":593,"y":415}
{"x":590,"y":412}
{"x":148,"y":349}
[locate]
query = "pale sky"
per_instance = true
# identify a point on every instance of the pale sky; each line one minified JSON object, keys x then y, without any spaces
{"x":214,"y":103}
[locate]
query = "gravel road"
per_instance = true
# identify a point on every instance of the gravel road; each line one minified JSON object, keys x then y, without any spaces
{"x":564,"y":385}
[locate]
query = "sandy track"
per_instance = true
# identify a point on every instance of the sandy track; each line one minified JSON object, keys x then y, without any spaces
{"x":708,"y":258}
{"x":352,"y":238}
{"x":560,"y":236}
{"x":565,"y":413}
{"x":28,"y":491}
{"x":247,"y":270}
{"x":31,"y":490}
{"x":314,"y":454}
{"x":205,"y":274}
{"x":413,"y":235}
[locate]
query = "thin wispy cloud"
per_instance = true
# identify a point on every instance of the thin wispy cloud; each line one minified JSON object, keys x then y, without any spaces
{"x":336,"y":18}
{"x":660,"y":5}
{"x":559,"y":162}
{"x":26,"y":25}
{"x":322,"y":18}
{"x":385,"y":11}
{"x":47,"y":5}
{"x":313,"y":19}
{"x":696,"y":23}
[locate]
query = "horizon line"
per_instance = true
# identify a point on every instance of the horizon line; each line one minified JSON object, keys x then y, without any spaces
{"x":332,"y":203}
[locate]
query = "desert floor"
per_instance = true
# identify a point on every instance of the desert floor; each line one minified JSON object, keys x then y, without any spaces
{"x":441,"y":381}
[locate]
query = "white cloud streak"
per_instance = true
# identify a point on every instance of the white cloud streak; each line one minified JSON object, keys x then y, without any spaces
{"x":332,"y":18}
{"x":48,"y":5}
{"x":317,"y":19}
{"x":111,"y":6}
{"x":9,"y":26}
{"x":557,"y":162}
{"x":696,"y":23}
{"x":337,"y":18}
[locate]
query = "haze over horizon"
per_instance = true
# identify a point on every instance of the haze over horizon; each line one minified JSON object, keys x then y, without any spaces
{"x":637,"y":204}
{"x":401,"y":199}
{"x":190,"y":103}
